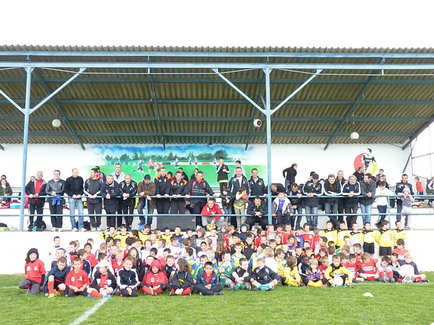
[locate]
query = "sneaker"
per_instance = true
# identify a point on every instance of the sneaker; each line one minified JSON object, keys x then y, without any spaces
{"x":171,"y":294}
{"x":54,"y":229}
{"x":83,"y":230}
{"x":98,"y":228}
{"x":59,"y":229}
{"x":360,"y":279}
{"x":107,"y":296}
{"x":93,"y":228}
{"x":200,"y":294}
{"x":74,"y":229}
{"x":51,"y":295}
{"x":89,"y":296}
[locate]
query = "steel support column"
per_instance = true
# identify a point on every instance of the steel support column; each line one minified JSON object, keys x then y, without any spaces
{"x":268,"y":113}
{"x":27,"y":113}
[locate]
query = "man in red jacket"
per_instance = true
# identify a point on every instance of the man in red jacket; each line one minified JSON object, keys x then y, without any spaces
{"x":211,"y":211}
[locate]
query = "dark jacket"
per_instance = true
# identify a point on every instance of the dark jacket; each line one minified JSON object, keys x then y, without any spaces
{"x":111,"y":204}
{"x":264,"y":275}
{"x":162,"y":185}
{"x":332,"y":190}
{"x":178,"y":188}
{"x":246,"y":274}
{"x":310,"y":187}
{"x":222,"y":172}
{"x":127,"y":279}
{"x":257,"y":188}
{"x":111,"y":281}
{"x":92,"y":187}
{"x":289,"y":174}
{"x":196,"y":188}
{"x":295,"y":200}
{"x":130,"y":189}
{"x":252,"y":208}
{"x":366,"y":188}
{"x":53,"y":186}
{"x":59,"y":276}
{"x":182,"y":280}
{"x":355,"y":188}
{"x":30,"y":189}
{"x":148,"y":189}
{"x":234,"y":184}
{"x":74,"y":186}
{"x":201,"y":280}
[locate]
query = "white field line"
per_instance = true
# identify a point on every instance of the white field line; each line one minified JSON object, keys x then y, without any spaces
{"x":89,"y":313}
{"x":12,"y":287}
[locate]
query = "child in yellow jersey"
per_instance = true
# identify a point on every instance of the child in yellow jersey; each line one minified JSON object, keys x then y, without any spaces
{"x":237,"y":255}
{"x":335,"y":270}
{"x":341,"y":233}
{"x":385,"y":239}
{"x":329,"y":232}
{"x":291,"y":277}
{"x":123,"y":235}
{"x":399,"y":232}
{"x":356,"y":236}
{"x":166,"y":235}
{"x":369,"y":237}
{"x":280,"y":260}
{"x":111,"y":232}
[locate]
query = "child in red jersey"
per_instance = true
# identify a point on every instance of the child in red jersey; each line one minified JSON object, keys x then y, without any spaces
{"x":400,"y":249}
{"x":34,"y":271}
{"x":118,"y":263}
{"x":368,"y":268}
{"x":155,"y":280}
{"x":352,"y":265}
{"x":307,"y":235}
{"x":77,"y":280}
{"x":104,"y":283}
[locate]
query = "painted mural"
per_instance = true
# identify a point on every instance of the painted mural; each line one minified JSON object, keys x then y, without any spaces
{"x":148,"y":159}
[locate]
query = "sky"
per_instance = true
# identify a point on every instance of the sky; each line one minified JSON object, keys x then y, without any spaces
{"x":219,"y":23}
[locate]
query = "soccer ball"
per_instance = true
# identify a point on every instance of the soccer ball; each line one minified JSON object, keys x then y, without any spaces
{"x":338,"y":281}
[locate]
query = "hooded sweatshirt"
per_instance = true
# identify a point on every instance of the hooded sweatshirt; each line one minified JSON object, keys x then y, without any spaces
{"x":34,"y":270}
{"x":152,"y":279}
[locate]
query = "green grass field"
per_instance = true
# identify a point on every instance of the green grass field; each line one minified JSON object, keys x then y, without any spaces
{"x":391,"y":304}
{"x":208,"y":170}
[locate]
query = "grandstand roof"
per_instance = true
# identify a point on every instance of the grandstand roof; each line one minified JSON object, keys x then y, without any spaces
{"x":126,"y":104}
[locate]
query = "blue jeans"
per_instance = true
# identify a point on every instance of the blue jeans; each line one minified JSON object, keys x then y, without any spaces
{"x":382,"y":210}
{"x":140,"y":208}
{"x":312,"y":220}
{"x":366,"y":212}
{"x":76,"y":204}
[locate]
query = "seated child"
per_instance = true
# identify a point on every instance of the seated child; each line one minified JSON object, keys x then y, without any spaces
{"x":385,"y":273}
{"x":155,"y":280}
{"x":291,"y":276}
{"x":118,"y":263}
{"x":182,"y":282}
{"x":263,"y":278}
{"x":335,"y":270}
{"x":368,"y":268}
{"x":207,"y":281}
{"x":314,"y":276}
{"x":128,"y":279}
{"x":55,"y":279}
{"x":34,"y":271}
{"x":409,"y":271}
{"x":77,"y":280}
{"x":400,"y":249}
{"x":226,"y":268}
{"x":104,"y":282}
{"x":241,"y":275}
{"x":169,"y":267}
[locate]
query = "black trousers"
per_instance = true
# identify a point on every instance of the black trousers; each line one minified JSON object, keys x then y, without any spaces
{"x":128,"y":208}
{"x":39,"y":211}
{"x":351,"y":209}
{"x":55,"y":211}
{"x":119,"y":220}
{"x":263,"y":222}
{"x":163,"y":206}
{"x":95,"y":208}
{"x":197,"y":209}
{"x":177,"y":206}
{"x":209,"y":292}
{"x":111,"y":219}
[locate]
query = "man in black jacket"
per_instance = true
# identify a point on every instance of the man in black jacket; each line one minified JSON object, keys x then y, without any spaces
{"x":257,"y":185}
{"x":367,"y":189}
{"x":399,"y":189}
{"x":198,"y":187}
{"x":162,"y":184}
{"x":289,"y":174}
{"x":258,"y":213}
{"x":55,"y":189}
{"x":178,"y":187}
{"x":110,"y":192}
{"x":74,"y":190}
{"x":238,"y":181}
{"x":222,"y":171}
{"x":34,"y":189}
{"x":92,"y":188}
{"x":128,"y":188}
{"x":351,"y":190}
{"x":312,"y":189}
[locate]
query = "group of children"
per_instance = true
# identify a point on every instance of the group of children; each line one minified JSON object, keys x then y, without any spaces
{"x":180,"y":263}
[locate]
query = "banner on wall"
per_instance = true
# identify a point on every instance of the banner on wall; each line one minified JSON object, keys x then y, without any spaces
{"x":367,"y":161}
{"x":147,"y":159}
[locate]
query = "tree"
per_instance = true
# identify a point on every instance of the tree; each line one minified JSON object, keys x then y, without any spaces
{"x":124,"y":157}
{"x":221,"y":154}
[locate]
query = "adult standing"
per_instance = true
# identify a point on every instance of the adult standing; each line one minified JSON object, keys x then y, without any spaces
{"x":256,"y":185}
{"x":222,"y":171}
{"x":110,"y":191}
{"x":351,"y":190}
{"x":367,"y":189}
{"x":289,"y":175}
{"x":312,"y":189}
{"x":178,"y":188}
{"x":162,"y":185}
{"x":198,"y":186}
{"x":145,"y":189}
{"x":74,"y":187}
{"x":341,"y":179}
{"x":92,"y":188}
{"x":332,"y":187}
{"x":34,"y":189}
{"x":119,"y":177}
{"x":55,"y":190}
{"x":359,"y":174}
{"x":430,"y":190}
{"x":399,"y":190}
{"x":128,"y":189}
{"x":238,"y":181}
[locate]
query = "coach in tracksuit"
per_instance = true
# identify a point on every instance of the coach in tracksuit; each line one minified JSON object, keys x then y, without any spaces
{"x":222,"y":171}
{"x":399,"y":189}
{"x":312,"y":189}
{"x":198,"y":187}
{"x":256,"y":185}
{"x":110,"y":192}
{"x":332,"y":187}
{"x":238,"y":181}
{"x":92,"y":188}
{"x":350,"y":190}
{"x":55,"y":190}
{"x":178,"y":187}
{"x":162,"y":185}
{"x":128,"y":189}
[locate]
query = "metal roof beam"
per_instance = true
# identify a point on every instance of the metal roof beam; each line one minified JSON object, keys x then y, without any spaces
{"x":157,"y":110}
{"x":254,"y":112}
{"x":418,"y":132}
{"x":235,"y":119}
{"x":297,"y":81}
{"x":194,"y":134}
{"x":217,"y":65}
{"x":2,"y":148}
{"x":59,"y":108}
{"x":194,"y":101}
{"x":218,"y":54}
